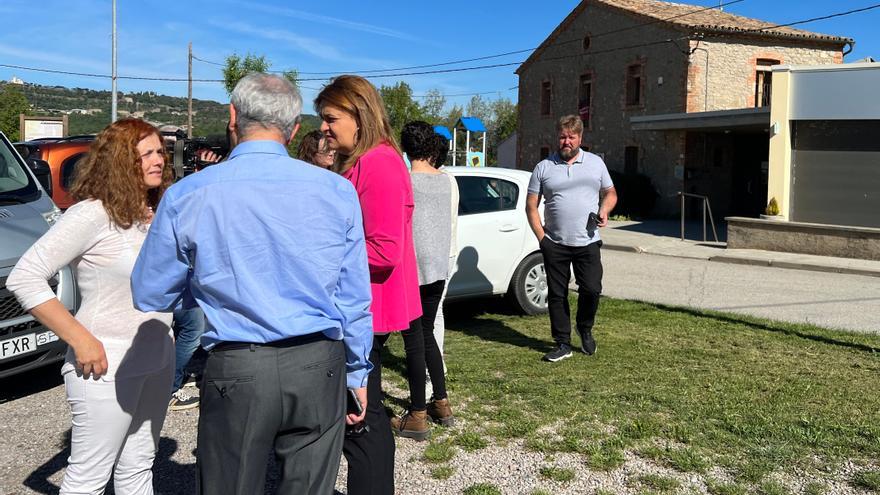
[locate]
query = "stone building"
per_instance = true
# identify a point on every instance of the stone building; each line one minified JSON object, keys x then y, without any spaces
{"x":679,"y":93}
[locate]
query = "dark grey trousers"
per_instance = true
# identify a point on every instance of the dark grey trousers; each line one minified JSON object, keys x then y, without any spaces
{"x":259,"y":398}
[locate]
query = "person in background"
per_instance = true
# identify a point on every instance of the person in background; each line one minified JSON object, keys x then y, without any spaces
{"x":313,"y":149}
{"x":578,"y":197}
{"x":356,"y":126}
{"x":189,"y":326}
{"x":119,"y":364}
{"x":442,"y":151}
{"x":272,"y":249}
{"x":432,"y":236}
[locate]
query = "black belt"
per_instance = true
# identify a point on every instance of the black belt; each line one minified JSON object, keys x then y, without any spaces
{"x":289,"y":342}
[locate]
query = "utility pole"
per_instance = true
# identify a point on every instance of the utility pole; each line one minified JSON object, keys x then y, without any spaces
{"x":189,"y":108}
{"x":113,"y":98}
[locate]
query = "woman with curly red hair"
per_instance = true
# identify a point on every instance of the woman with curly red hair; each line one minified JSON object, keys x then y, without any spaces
{"x":119,"y":364}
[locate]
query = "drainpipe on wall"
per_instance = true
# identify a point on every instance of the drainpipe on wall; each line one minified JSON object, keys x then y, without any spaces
{"x":705,"y":86}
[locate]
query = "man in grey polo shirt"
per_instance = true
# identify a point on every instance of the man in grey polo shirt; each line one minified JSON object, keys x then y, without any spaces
{"x":574,"y":184}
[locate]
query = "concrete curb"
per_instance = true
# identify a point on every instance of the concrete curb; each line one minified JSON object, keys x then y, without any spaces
{"x":624,"y":248}
{"x":791,"y":265}
{"x":744,"y":260}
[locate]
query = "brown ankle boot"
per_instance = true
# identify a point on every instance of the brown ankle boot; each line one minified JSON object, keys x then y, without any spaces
{"x":440,"y":412}
{"x":413,"y":424}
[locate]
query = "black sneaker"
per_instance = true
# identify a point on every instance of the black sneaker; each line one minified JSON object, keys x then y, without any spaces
{"x":182,"y":400}
{"x":588,"y":343}
{"x":558,"y":353}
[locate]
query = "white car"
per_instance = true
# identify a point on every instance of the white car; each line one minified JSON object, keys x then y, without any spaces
{"x":498,"y":253}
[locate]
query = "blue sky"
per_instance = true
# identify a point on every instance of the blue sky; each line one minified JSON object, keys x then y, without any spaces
{"x":342,"y":36}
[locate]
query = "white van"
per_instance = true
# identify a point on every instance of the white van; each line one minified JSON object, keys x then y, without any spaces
{"x":26,"y":212}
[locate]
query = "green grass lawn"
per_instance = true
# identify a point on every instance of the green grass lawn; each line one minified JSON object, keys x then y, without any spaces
{"x":687,"y":389}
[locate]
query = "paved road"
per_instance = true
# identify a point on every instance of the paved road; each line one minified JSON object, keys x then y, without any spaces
{"x":829,"y":300}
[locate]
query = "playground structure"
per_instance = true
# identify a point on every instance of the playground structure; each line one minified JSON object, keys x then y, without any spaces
{"x":468,"y":156}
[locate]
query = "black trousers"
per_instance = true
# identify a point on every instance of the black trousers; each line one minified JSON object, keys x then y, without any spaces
{"x":371,"y":456}
{"x":587,"y":264}
{"x":255,"y":398}
{"x":422,"y":349}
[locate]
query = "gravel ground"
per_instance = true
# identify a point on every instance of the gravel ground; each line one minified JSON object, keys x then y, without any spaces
{"x":33,"y":452}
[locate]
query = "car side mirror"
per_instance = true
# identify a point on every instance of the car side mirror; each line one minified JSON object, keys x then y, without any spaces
{"x":43,"y":172}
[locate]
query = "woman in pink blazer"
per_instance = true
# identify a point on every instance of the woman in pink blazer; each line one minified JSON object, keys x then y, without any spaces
{"x":356,"y":126}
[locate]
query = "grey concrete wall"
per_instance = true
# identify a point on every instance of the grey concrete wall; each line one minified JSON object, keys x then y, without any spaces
{"x":805,"y":238}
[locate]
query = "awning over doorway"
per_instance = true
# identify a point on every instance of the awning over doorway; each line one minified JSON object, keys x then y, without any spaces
{"x":746,"y":119}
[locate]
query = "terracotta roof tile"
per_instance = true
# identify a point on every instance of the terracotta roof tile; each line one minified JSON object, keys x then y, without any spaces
{"x":713,"y":19}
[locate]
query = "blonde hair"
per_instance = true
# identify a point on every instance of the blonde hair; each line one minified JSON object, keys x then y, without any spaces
{"x":571,"y":123}
{"x":355,"y":96}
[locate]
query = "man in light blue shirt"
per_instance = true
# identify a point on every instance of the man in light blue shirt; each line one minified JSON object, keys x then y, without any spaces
{"x":272,"y":249}
{"x":578,"y":196}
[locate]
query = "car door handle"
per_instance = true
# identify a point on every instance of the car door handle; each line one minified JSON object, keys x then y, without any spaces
{"x":508,"y":228}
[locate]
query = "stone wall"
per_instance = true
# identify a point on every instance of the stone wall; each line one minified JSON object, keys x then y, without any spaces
{"x":732,"y":69}
{"x":673,"y":82}
{"x":664,"y":84}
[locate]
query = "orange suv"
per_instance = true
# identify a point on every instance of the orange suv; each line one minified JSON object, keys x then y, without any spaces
{"x":62,"y":155}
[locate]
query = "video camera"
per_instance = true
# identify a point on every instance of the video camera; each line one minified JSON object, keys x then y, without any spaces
{"x":184,"y":151}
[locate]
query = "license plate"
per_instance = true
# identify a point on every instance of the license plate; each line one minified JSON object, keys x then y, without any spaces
{"x":17,"y":345}
{"x":46,"y":338}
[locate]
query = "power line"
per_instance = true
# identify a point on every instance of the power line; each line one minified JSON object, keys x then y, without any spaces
{"x":505,"y":54}
{"x":459,"y":69}
{"x":822,"y":18}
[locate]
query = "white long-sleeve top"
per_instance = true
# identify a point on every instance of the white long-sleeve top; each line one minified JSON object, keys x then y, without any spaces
{"x":102,"y":256}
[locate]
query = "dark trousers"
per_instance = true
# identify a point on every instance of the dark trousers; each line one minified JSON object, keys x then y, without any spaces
{"x":422,"y":349}
{"x":255,"y":398}
{"x":587,"y":264}
{"x":371,"y":456}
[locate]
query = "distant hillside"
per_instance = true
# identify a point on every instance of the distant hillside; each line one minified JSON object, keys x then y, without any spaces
{"x":88,"y":110}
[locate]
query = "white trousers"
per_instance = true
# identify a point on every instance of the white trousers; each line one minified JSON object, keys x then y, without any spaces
{"x":116,"y":427}
{"x":439,"y":333}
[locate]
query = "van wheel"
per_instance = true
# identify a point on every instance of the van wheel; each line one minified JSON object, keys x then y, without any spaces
{"x":528,"y":288}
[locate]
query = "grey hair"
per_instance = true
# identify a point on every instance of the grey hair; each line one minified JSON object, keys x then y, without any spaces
{"x":267,"y":101}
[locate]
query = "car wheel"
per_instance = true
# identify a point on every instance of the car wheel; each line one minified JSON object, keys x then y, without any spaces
{"x":528,"y":288}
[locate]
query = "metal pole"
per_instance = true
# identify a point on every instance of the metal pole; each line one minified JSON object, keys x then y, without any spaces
{"x":467,"y":147}
{"x":682,"y":215}
{"x":454,"y":144}
{"x":704,"y":219}
{"x":189,"y":107}
{"x":113,"y":97}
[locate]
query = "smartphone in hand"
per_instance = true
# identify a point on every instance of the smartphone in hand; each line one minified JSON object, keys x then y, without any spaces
{"x":592,"y":224}
{"x":353,"y":404}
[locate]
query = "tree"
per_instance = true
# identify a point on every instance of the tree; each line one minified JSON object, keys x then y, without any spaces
{"x":432,"y":107}
{"x":479,"y":109}
{"x":503,"y":124}
{"x":452,"y":116}
{"x":237,"y":67}
{"x":12,"y":103}
{"x":400,"y":105}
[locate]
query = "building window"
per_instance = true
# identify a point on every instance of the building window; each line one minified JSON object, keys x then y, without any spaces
{"x":585,"y":98}
{"x":545,"y":98}
{"x":763,"y":81}
{"x":544,"y":153}
{"x":635,"y":85}
{"x":631,"y":160}
{"x":586,"y":43}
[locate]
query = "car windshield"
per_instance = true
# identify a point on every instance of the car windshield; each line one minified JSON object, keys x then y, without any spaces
{"x":16,"y":184}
